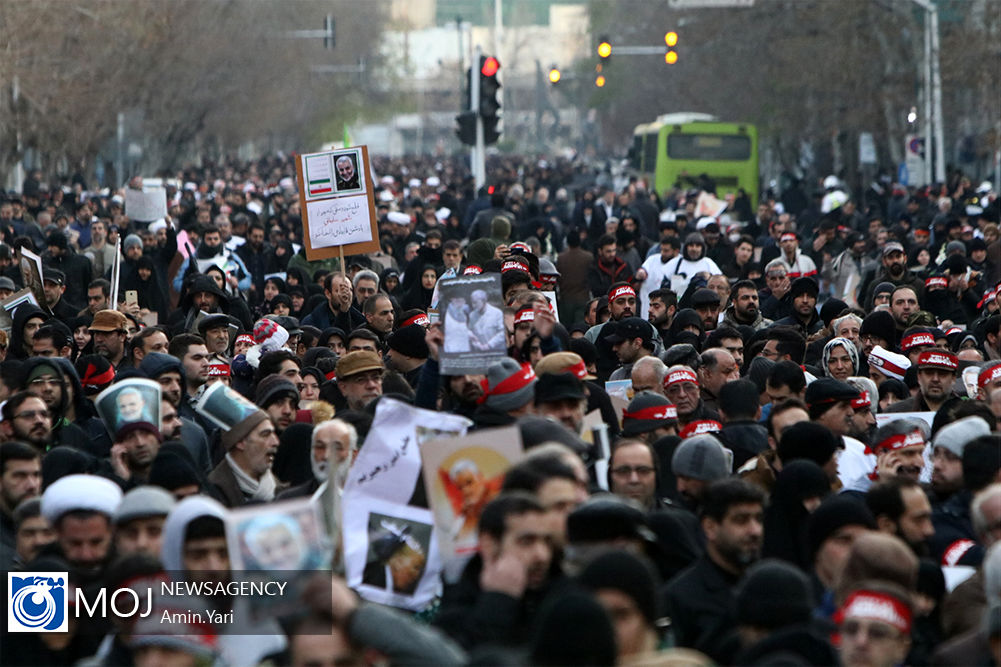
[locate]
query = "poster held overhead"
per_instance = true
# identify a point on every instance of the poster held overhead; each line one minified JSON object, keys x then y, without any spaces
{"x":338,"y":212}
{"x":390,"y":545}
{"x":146,"y":205}
{"x":463,"y":474}
{"x":286,"y":535}
{"x":470,"y":309}
{"x":31,"y":276}
{"x":130,"y":401}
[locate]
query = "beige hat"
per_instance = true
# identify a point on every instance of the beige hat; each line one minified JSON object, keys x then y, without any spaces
{"x":359,"y":361}
{"x":563,"y":362}
{"x":109,"y":320}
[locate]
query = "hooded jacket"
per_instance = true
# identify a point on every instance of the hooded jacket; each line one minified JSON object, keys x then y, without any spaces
{"x":78,"y":275}
{"x":730,"y":319}
{"x":22,"y":314}
{"x":176,"y":525}
{"x":681,"y":269}
{"x":86,"y":433}
{"x":182,"y":320}
{"x":602,"y":276}
{"x":194,"y":432}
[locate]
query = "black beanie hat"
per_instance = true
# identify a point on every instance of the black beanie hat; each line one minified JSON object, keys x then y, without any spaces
{"x":831,"y":309}
{"x":803,"y":285}
{"x":155,"y":364}
{"x":409,"y":341}
{"x":834,"y":513}
{"x":629,"y":574}
{"x":573,"y":629}
{"x":773,"y":595}
{"x":879,"y":323}
{"x":170,"y":471}
{"x":807,"y":440}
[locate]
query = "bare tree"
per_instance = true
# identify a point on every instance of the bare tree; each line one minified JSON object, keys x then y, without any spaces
{"x":192,"y":73}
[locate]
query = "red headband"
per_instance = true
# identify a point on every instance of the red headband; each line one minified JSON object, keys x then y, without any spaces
{"x":863,"y":401}
{"x":989,"y":375}
{"x":936,"y":281}
{"x":681,"y":375}
{"x":700,"y":427}
{"x":472,"y":270}
{"x":876,"y":607}
{"x":420,"y":318}
{"x":518,"y":245}
{"x":96,"y":381}
{"x":245,"y":338}
{"x":956,"y":550}
{"x":895,"y":442}
{"x":991,"y":295}
{"x":886,"y":365}
{"x":511,"y":384}
{"x":788,"y":236}
{"x":513,"y":265}
{"x":579,"y":369}
{"x":623,"y":290}
{"x":219,"y":370}
{"x":916,"y":339}
{"x":665,"y":412}
{"x":524,"y":315}
{"x":944,"y":360}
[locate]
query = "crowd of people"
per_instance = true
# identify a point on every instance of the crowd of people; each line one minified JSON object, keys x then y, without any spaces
{"x":799,"y":463}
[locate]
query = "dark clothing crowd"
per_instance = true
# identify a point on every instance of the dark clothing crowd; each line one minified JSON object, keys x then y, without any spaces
{"x":754,"y":432}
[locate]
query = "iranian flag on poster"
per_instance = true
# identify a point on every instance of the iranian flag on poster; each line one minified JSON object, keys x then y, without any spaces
{"x":319,"y":175}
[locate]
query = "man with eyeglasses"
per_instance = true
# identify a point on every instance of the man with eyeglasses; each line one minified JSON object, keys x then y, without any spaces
{"x":359,"y":377}
{"x":681,"y":385}
{"x":26,"y":419}
{"x":874,"y":626}
{"x":632,"y":473}
{"x":774,"y":306}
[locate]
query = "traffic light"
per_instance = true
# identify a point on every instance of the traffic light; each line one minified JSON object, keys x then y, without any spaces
{"x":466,"y":127}
{"x":554,"y":75}
{"x":604,"y":48}
{"x":600,"y":81}
{"x":330,"y":27}
{"x":671,"y":39}
{"x":490,"y":104}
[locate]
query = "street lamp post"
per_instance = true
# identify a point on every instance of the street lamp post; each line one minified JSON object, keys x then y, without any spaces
{"x":934,"y":134}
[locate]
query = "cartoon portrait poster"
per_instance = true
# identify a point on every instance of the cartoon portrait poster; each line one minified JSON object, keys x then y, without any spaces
{"x":462,"y":475}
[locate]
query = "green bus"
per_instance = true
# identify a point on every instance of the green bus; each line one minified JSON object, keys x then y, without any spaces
{"x":677,"y":148}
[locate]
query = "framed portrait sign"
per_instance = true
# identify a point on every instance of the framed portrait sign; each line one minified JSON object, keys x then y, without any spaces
{"x":337,"y":203}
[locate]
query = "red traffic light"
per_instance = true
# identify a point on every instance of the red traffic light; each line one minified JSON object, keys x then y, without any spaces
{"x":490,"y":66}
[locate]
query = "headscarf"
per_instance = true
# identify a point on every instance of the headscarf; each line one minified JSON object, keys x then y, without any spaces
{"x":845,"y":343}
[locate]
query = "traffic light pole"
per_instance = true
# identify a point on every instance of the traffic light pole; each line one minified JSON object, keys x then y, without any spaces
{"x":477,"y":154}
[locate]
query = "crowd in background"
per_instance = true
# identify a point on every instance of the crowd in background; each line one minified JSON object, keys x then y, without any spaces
{"x":804,"y":466}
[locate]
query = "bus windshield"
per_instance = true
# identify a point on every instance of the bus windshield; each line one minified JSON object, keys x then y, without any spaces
{"x":733,"y":147}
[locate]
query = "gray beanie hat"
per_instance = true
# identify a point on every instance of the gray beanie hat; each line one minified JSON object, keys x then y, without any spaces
{"x":956,"y":435}
{"x":701,"y":457}
{"x":142,"y":502}
{"x":695,"y":237}
{"x":131,"y":240}
{"x":520,"y":389}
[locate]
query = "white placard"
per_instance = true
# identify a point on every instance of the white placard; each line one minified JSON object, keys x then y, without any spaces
{"x":391,"y":553}
{"x":334,"y":222}
{"x":146,"y":205}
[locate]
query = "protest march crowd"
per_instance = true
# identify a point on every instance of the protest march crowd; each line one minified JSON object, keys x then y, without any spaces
{"x":750,"y":432}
